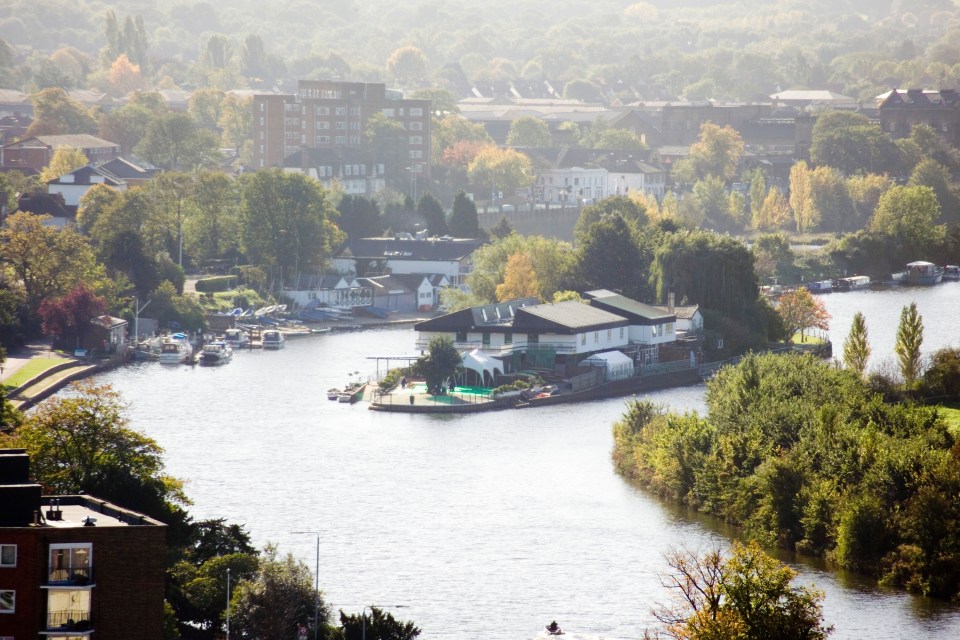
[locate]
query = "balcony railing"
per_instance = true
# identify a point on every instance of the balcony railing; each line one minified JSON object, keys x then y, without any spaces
{"x":70,"y":578}
{"x":517,"y":345}
{"x":69,"y":620}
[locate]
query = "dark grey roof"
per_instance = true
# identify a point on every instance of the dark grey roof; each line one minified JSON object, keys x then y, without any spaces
{"x":636,"y":312}
{"x":489,"y":317}
{"x":85,"y":176}
{"x":127,"y":169}
{"x":571,"y":316}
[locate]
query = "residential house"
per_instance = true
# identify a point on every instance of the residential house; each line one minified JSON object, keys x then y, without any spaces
{"x":35,"y":153}
{"x":47,"y":204}
{"x":404,"y":254}
{"x":649,"y":326}
{"x":574,"y":175}
{"x":426,"y":286}
{"x":75,"y":566}
{"x":133,"y":172}
{"x":689,"y":318}
{"x":74,"y":185}
{"x":901,"y":110}
{"x":355,"y":171}
{"x":391,"y":294}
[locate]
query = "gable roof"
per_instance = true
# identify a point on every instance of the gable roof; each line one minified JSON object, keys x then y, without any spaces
{"x":71,"y":141}
{"x":434,"y":249}
{"x":88,"y":175}
{"x":487,"y":317}
{"x":568,"y":317}
{"x":126,"y":169}
{"x":683,"y":312}
{"x":637,"y":312}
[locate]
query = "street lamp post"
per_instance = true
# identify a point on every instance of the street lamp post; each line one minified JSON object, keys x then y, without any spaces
{"x":228,"y":603}
{"x":316,"y":588}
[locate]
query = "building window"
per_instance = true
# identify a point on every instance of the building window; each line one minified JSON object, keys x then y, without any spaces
{"x":416,"y":111}
{"x":533,"y":338}
{"x":341,"y":111}
{"x":609,"y":335}
{"x":8,"y":600}
{"x":323,"y":111}
{"x":354,"y":139}
{"x":388,"y":113}
{"x":323,"y":124}
{"x":416,"y":126}
{"x":508,"y":337}
{"x":341,"y":125}
{"x":669,"y":327}
{"x":8,"y":555}
{"x":323,"y":139}
{"x":583,"y":338}
{"x":485,"y":338}
{"x":416,"y":153}
{"x":354,"y":111}
{"x":416,"y":139}
{"x":71,"y":563}
{"x":461,"y":336}
{"x":621,"y":333}
{"x":596,"y":336}
{"x":66,"y":605}
{"x":341,"y":139}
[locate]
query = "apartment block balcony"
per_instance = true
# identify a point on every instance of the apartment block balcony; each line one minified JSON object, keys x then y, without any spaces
{"x":69,"y":622}
{"x":70,"y":578}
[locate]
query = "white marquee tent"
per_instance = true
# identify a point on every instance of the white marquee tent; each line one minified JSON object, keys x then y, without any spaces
{"x":617,"y":365}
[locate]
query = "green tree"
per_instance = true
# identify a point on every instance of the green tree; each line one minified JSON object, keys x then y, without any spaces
{"x":55,"y":112}
{"x":360,"y":217}
{"x":442,"y":362}
{"x":82,"y":443}
{"x":930,"y":173}
{"x":711,"y":197}
{"x":805,"y":213}
{"x":213,"y":231}
{"x":287,"y":221}
{"x":748,"y":595}
{"x":717,"y":152}
{"x":528,"y":132}
{"x":378,"y":625}
{"x":628,"y":208}
{"x":433,"y":216}
{"x":408,"y":65}
{"x":758,"y":192}
{"x":909,"y":214}
{"x":609,"y":256}
{"x":831,"y":200}
{"x":551,"y":259}
{"x":850,"y":143}
{"x":774,"y":212}
{"x":856,"y":348}
{"x":464,"y":222}
{"x":277,"y":600}
{"x":173,"y":141}
{"x":909,"y":341}
{"x":499,"y":170}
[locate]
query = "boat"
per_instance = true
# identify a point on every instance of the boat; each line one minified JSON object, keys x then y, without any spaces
{"x":237,"y":338}
{"x":175,"y":349}
{"x":352,"y":393}
{"x":273,"y":339}
{"x":821,"y":286}
{"x":923,"y":273}
{"x":217,"y":352}
{"x":553,"y":629}
{"x":951,"y":272}
{"x":148,"y":349}
{"x":333,"y":394}
{"x":851,"y":283}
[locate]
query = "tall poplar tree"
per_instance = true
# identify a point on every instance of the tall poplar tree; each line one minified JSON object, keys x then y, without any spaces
{"x":909,"y":340}
{"x":856,"y":349}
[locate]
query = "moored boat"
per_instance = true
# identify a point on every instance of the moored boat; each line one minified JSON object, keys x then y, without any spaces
{"x":822,"y":286}
{"x":273,"y":339}
{"x":175,"y":349}
{"x":951,"y":272}
{"x":923,"y":273}
{"x":237,"y":338}
{"x":217,"y":352}
{"x":851,"y":283}
{"x":333,"y":394}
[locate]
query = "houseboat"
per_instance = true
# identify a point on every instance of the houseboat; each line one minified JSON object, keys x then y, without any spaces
{"x":822,"y":286}
{"x":923,"y":273}
{"x":851,"y":283}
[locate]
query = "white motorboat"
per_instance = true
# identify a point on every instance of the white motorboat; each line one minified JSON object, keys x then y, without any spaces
{"x":175,"y":349}
{"x":217,"y":352}
{"x":237,"y":338}
{"x":273,"y":339}
{"x":923,"y":273}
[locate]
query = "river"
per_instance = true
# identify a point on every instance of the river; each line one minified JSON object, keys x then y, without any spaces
{"x":485,"y":525}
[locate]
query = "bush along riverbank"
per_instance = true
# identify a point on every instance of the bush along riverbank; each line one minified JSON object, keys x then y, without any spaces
{"x":805,"y":455}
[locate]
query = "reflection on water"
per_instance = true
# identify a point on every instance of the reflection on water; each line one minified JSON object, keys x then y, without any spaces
{"x":484,"y":525}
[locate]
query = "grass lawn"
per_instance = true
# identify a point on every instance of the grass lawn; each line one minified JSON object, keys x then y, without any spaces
{"x":799,"y":338}
{"x":31,"y":369}
{"x":951,"y":415}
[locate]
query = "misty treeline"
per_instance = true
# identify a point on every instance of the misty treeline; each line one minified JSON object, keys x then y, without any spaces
{"x":656,"y":49}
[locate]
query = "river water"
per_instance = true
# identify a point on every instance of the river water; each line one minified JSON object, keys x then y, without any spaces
{"x":485,"y":525}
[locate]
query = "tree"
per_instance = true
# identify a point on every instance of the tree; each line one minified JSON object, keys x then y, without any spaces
{"x":502,"y":229}
{"x":464,"y":222}
{"x":774,"y":212}
{"x":360,"y":217}
{"x":909,"y":214}
{"x":711,"y":197}
{"x":758,"y":193}
{"x":214,"y":230}
{"x":717,"y":152}
{"x":805,"y":213}
{"x":747,"y":595}
{"x":519,"y":279}
{"x":279,"y":599}
{"x":64,"y":160}
{"x":408,"y":65}
{"x":628,"y":208}
{"x":286,"y":220}
{"x":46,"y":261}
{"x":856,"y":348}
{"x":173,"y":141}
{"x":528,"y":132}
{"x":441,"y":363}
{"x":55,"y":112}
{"x":909,"y":341}
{"x":378,"y":625}
{"x":609,"y":256}
{"x":205,"y":107}
{"x":850,"y":143}
{"x":799,"y":310}
{"x":433,"y":216}
{"x":82,"y":443}
{"x":499,"y":170}
{"x":865,"y":192}
{"x":930,"y":173}
{"x":388,"y":142}
{"x":124,"y":76}
{"x":71,"y":314}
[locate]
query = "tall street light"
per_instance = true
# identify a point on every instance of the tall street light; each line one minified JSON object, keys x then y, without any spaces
{"x":228,"y":603}
{"x":316,"y":588}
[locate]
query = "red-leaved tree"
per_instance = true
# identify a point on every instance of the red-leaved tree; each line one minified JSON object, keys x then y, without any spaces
{"x":71,"y":315}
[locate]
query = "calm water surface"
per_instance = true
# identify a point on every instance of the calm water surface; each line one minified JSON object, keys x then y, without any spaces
{"x":482,"y":526}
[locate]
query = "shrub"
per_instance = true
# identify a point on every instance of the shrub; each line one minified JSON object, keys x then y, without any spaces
{"x":216,"y":283}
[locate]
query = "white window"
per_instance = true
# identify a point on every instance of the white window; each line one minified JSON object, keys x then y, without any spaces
{"x":416,"y":153}
{"x":354,"y":139}
{"x":609,"y":334}
{"x":621,"y":332}
{"x":261,"y":121}
{"x":323,"y":111}
{"x":341,"y":125}
{"x":401,"y":111}
{"x":596,"y":336}
{"x":8,"y":555}
{"x":583,"y":338}
{"x":71,"y":563}
{"x":416,"y":139}
{"x":416,"y":111}
{"x":323,"y":124}
{"x":354,"y":111}
{"x":669,"y":327}
{"x":323,"y":139}
{"x":388,"y":113}
{"x":341,"y":111}
{"x":355,"y":126}
{"x":348,"y":170}
{"x":416,"y":126}
{"x":8,"y":601}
